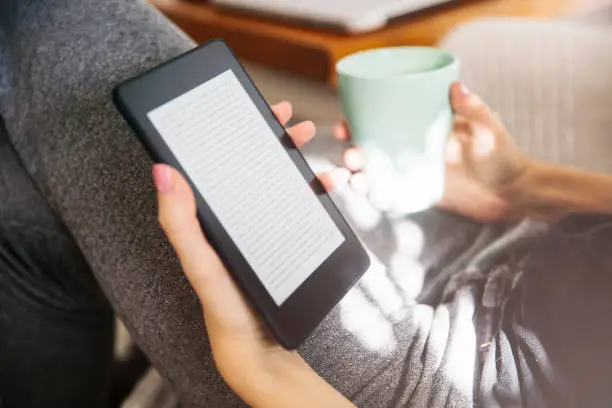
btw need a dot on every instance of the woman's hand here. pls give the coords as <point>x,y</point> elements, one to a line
<point>253,364</point>
<point>481,161</point>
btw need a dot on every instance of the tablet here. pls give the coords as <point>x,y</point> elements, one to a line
<point>260,205</point>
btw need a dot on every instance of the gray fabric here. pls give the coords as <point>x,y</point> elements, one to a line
<point>380,346</point>
<point>413,347</point>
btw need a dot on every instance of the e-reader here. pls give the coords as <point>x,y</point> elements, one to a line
<point>261,207</point>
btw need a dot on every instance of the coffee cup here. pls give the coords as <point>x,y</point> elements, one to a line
<point>397,105</point>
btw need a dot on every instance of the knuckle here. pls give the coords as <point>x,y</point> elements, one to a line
<point>162,221</point>
<point>482,109</point>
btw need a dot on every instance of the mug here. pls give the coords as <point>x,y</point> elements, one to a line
<point>397,105</point>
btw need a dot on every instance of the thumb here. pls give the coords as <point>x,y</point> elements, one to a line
<point>177,217</point>
<point>471,107</point>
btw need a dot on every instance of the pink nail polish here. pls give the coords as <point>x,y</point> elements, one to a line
<point>162,178</point>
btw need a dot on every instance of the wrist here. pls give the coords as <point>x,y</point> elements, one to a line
<point>515,189</point>
<point>275,377</point>
<point>256,375</point>
<point>536,193</point>
<point>238,362</point>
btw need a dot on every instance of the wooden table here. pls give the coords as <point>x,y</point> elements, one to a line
<point>313,53</point>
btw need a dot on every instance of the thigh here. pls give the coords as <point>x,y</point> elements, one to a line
<point>56,328</point>
<point>383,348</point>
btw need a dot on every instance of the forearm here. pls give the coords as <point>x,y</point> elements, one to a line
<point>287,382</point>
<point>548,192</point>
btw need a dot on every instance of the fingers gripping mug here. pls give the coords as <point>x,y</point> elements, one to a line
<point>397,105</point>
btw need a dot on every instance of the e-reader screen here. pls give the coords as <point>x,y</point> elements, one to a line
<point>251,184</point>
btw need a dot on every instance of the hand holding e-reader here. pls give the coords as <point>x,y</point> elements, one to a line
<point>261,207</point>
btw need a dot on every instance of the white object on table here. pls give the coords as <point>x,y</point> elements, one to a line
<point>349,15</point>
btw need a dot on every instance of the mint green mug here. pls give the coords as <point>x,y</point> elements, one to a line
<point>397,105</point>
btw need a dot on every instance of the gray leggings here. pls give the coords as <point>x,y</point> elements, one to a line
<point>492,326</point>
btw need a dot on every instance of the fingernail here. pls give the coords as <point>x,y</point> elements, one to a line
<point>162,178</point>
<point>341,176</point>
<point>311,124</point>
<point>465,91</point>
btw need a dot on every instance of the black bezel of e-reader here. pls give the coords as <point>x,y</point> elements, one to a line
<point>301,313</point>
